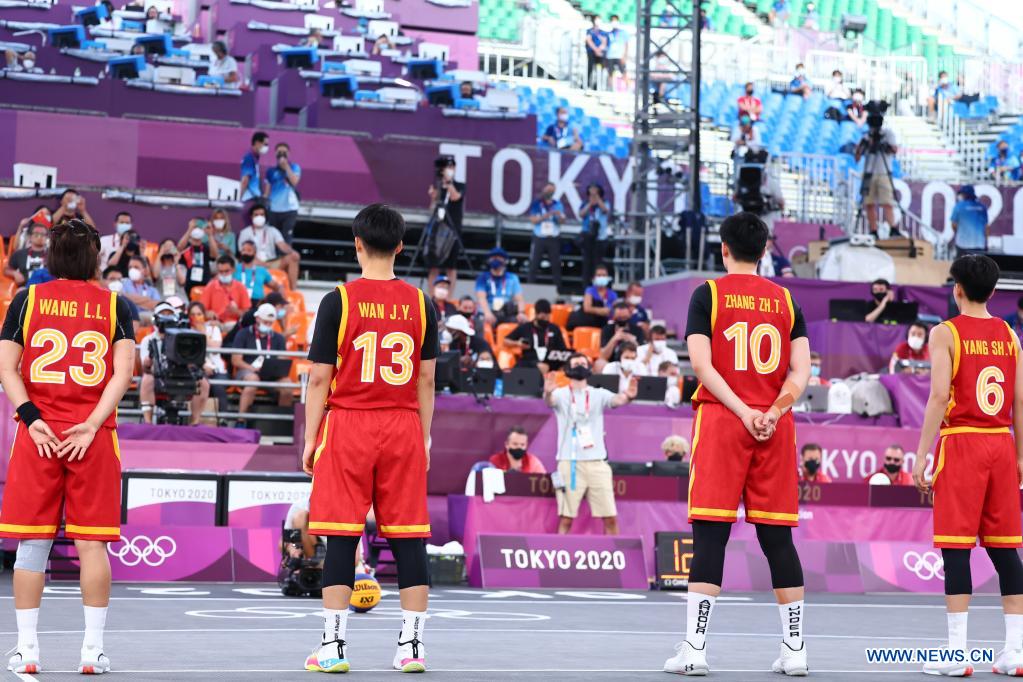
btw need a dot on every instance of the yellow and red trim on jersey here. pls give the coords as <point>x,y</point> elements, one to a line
<point>792,309</point>
<point>71,528</point>
<point>1014,540</point>
<point>423,528</point>
<point>30,304</point>
<point>956,345</point>
<point>713,303</point>
<point>696,512</point>
<point>323,441</point>
<point>422,317</point>
<point>18,528</point>
<point>941,461</point>
<point>964,540</point>
<point>692,453</point>
<point>113,315</point>
<point>342,527</point>
<point>771,516</point>
<point>953,430</point>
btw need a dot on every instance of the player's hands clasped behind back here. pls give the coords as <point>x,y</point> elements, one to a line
<point>45,439</point>
<point>77,441</point>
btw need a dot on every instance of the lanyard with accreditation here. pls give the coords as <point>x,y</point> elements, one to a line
<point>582,437</point>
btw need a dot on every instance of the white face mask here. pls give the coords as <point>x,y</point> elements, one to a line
<point>72,205</point>
<point>449,173</point>
<point>440,293</point>
<point>115,285</point>
<point>225,279</point>
<point>837,79</point>
<point>123,227</point>
<point>628,366</point>
<point>563,118</point>
<point>28,63</point>
<point>134,274</point>
<point>943,81</point>
<point>445,337</point>
<point>265,149</point>
<point>219,223</point>
<point>915,342</point>
<point>800,72</point>
<point>659,345</point>
<point>614,25</point>
<point>635,300</point>
<point>258,221</point>
<point>485,364</point>
<point>857,97</point>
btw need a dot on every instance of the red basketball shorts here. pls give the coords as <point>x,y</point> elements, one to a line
<point>89,489</point>
<point>976,491</point>
<point>729,465</point>
<point>364,458</point>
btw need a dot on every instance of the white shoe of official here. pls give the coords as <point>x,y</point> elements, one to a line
<point>1008,662</point>
<point>25,661</point>
<point>948,668</point>
<point>688,660</point>
<point>94,661</point>
<point>410,657</point>
<point>791,662</point>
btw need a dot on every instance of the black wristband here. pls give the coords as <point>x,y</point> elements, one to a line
<point>28,413</point>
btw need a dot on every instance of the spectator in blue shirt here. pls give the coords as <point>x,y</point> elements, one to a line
<point>560,136</point>
<point>800,84</point>
<point>252,190</point>
<point>499,292</point>
<point>779,13</point>
<point>546,213</point>
<point>617,50</point>
<point>596,51</point>
<point>640,315</point>
<point>254,276</point>
<point>945,89</point>
<point>1017,172</point>
<point>1002,165</point>
<point>969,222</point>
<point>1015,320</point>
<point>282,191</point>
<point>594,233</point>
<point>597,301</point>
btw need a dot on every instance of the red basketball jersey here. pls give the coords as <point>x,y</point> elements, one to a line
<point>983,373</point>
<point>68,358</point>
<point>751,337</point>
<point>379,343</point>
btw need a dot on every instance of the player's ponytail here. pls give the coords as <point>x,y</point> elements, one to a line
<point>74,250</point>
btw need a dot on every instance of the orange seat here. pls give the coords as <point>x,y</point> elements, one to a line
<point>561,379</point>
<point>530,310</point>
<point>142,333</point>
<point>503,330</point>
<point>560,313</point>
<point>507,359</point>
<point>196,293</point>
<point>586,338</point>
<point>281,278</point>
<point>150,252</point>
<point>297,300</point>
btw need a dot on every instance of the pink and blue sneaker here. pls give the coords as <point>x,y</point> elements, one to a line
<point>328,658</point>
<point>410,657</point>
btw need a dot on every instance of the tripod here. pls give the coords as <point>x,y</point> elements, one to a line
<point>427,234</point>
<point>874,152</point>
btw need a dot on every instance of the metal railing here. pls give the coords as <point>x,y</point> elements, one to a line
<point>814,186</point>
<point>893,79</point>
<point>962,136</point>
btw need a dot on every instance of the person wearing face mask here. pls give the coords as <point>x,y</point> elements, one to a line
<point>151,347</point>
<point>514,456</point>
<point>226,297</point>
<point>617,331</point>
<point>882,294</point>
<point>252,189</point>
<point>597,301</point>
<point>800,84</point>
<point>811,18</point>
<point>108,243</point>
<point>224,65</point>
<point>596,49</point>
<point>137,288</point>
<point>214,367</point>
<point>617,51</point>
<point>559,135</point>
<point>220,231</point>
<point>746,137</point>
<point>442,298</point>
<point>536,339</point>
<point>583,470</point>
<point>652,354</point>
<point>447,203</point>
<point>24,262</point>
<point>750,104</point>
<point>72,205</point>
<point>271,248</point>
<point>465,341</point>
<point>41,216</point>
<point>855,111</point>
<point>945,89</point>
<point>675,449</point>
<point>198,254</point>
<point>546,214</point>
<point>673,389</point>
<point>467,308</point>
<point>837,89</point>
<point>1002,164</point>
<point>969,222</point>
<point>280,191</point>
<point>112,281</point>
<point>810,469</point>
<point>627,367</point>
<point>894,455</point>
<point>25,61</point>
<point>248,318</point>
<point>816,377</point>
<point>253,367</point>
<point>914,348</point>
<point>499,292</point>
<point>256,278</point>
<point>594,232</point>
<point>170,274</point>
<point>640,315</point>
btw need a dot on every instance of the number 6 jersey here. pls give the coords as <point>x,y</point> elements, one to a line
<point>67,329</point>
<point>983,373</point>
<point>751,322</point>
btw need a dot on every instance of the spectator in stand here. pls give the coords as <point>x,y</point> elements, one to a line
<point>224,65</point>
<point>640,315</point>
<point>254,367</point>
<point>499,292</point>
<point>914,348</point>
<point>800,84</point>
<point>214,367</point>
<point>252,188</point>
<point>810,470</point>
<point>856,111</point>
<point>750,104</point>
<point>131,246</point>
<point>441,298</point>
<point>41,216</point>
<point>226,297</point>
<point>774,263</point>
<point>779,13</point>
<point>705,21</point>
<point>969,222</point>
<point>248,318</point>
<point>139,289</point>
<point>515,457</point>
<point>656,352</point>
<point>24,262</point>
<point>596,51</point>
<point>616,332</point>
<point>837,89</point>
<point>675,449</point>
<point>314,38</point>
<point>627,367</point>
<point>447,195</point>
<point>892,467</point>
<point>812,19</point>
<point>816,378</point>
<point>256,278</point>
<point>468,309</point>
<point>673,390</point>
<point>108,243</point>
<point>546,214</point>
<point>281,192</point>
<point>147,72</point>
<point>882,293</point>
<point>383,42</point>
<point>560,135</point>
<point>23,61</point>
<point>170,275</point>
<point>466,91</point>
<point>197,256</point>
<point>597,301</point>
<point>746,137</point>
<point>466,341</point>
<point>594,231</point>
<point>1002,165</point>
<point>535,339</point>
<point>271,248</point>
<point>1017,172</point>
<point>617,51</point>
<point>222,233</point>
<point>72,205</point>
<point>1015,320</point>
<point>945,89</point>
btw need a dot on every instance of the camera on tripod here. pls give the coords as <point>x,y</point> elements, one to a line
<point>876,110</point>
<point>749,183</point>
<point>300,576</point>
<point>177,365</point>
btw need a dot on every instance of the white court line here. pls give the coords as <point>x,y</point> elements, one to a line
<point>26,677</point>
<point>391,671</point>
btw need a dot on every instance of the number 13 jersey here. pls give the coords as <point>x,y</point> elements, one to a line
<point>983,373</point>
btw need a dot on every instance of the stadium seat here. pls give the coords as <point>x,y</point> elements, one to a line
<point>296,300</point>
<point>586,339</point>
<point>560,313</point>
<point>281,278</point>
<point>196,293</point>
<point>150,251</point>
<point>503,330</point>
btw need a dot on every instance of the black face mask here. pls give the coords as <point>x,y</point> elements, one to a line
<point>517,453</point>
<point>879,295</point>
<point>812,465</point>
<point>621,323</point>
<point>541,324</point>
<point>749,91</point>
<point>892,468</point>
<point>247,257</point>
<point>675,457</point>
<point>578,372</point>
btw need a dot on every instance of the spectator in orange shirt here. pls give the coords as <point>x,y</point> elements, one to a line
<point>225,296</point>
<point>810,470</point>
<point>515,457</point>
<point>914,348</point>
<point>892,468</point>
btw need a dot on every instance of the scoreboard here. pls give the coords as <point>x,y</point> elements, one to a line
<point>673,557</point>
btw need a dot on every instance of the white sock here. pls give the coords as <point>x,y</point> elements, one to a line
<point>95,621</point>
<point>412,624</point>
<point>792,624</point>
<point>335,624</point>
<point>698,608</point>
<point>28,622</point>
<point>957,630</point>
<point>1014,631</point>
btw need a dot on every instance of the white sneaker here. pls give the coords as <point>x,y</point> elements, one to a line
<point>25,660</point>
<point>94,661</point>
<point>329,657</point>
<point>410,657</point>
<point>688,660</point>
<point>1009,662</point>
<point>791,662</point>
<point>948,668</point>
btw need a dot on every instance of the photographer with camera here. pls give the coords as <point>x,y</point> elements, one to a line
<point>879,146</point>
<point>446,208</point>
<point>130,246</point>
<point>24,262</point>
<point>160,372</point>
<point>281,190</point>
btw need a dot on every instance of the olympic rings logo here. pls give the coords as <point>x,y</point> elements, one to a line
<point>141,549</point>
<point>926,566</point>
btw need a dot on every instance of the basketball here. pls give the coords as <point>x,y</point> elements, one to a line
<point>365,594</point>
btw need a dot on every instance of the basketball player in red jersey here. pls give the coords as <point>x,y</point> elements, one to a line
<point>374,351</point>
<point>67,351</point>
<point>976,395</point>
<point>747,342</point>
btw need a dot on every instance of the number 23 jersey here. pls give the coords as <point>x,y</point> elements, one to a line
<point>751,323</point>
<point>983,373</point>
